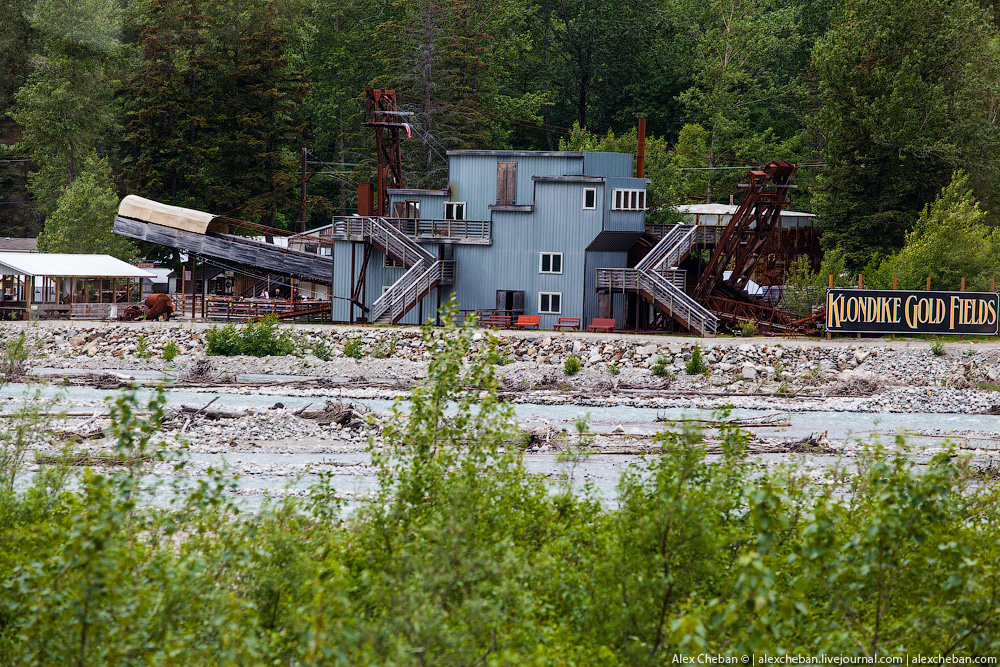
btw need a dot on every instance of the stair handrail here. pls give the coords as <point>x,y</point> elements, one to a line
<point>674,243</point>
<point>698,316</point>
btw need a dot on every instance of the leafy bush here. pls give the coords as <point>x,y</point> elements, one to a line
<point>17,352</point>
<point>386,347</point>
<point>572,365</point>
<point>937,348</point>
<point>696,364</point>
<point>142,348</point>
<point>496,357</point>
<point>661,367</point>
<point>170,351</point>
<point>459,552</point>
<point>322,351</point>
<point>614,369</point>
<point>749,328</point>
<point>354,348</point>
<point>255,339</point>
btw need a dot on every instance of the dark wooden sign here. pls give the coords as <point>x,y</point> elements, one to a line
<point>900,311</point>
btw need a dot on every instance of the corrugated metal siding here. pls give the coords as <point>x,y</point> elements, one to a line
<point>623,221</point>
<point>608,164</point>
<point>473,178</point>
<point>342,282</point>
<point>431,206</point>
<point>602,260</point>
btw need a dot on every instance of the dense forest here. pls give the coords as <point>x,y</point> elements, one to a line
<point>210,103</point>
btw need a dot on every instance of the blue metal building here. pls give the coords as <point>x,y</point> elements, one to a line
<point>518,231</point>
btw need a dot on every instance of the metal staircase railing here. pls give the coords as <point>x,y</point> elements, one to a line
<point>670,250</point>
<point>678,303</point>
<point>666,296</point>
<point>384,236</point>
<point>406,292</point>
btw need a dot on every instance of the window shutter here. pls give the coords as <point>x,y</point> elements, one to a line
<point>519,301</point>
<point>506,183</point>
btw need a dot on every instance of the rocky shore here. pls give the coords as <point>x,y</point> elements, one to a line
<point>532,360</point>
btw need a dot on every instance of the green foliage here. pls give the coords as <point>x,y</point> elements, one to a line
<point>386,347</point>
<point>951,240</point>
<point>805,289</point>
<point>354,348</point>
<point>142,348</point>
<point>572,365</point>
<point>614,369</point>
<point>17,352</point>
<point>661,367</point>
<point>906,96</point>
<point>749,328</point>
<point>497,357</point>
<point>256,339</point>
<point>459,552</point>
<point>84,215</point>
<point>937,348</point>
<point>170,351</point>
<point>322,351</point>
<point>696,364</point>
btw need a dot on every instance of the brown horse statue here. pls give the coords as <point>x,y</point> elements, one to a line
<point>158,305</point>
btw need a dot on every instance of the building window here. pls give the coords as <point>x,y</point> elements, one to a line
<point>630,200</point>
<point>390,263</point>
<point>550,262</point>
<point>506,183</point>
<point>590,198</point>
<point>386,288</point>
<point>550,302</point>
<point>406,209</point>
<point>454,210</point>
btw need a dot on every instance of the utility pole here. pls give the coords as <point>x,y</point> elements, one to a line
<point>302,205</point>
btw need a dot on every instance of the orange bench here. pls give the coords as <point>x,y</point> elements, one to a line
<point>605,324</point>
<point>568,323</point>
<point>528,321</point>
<point>498,321</point>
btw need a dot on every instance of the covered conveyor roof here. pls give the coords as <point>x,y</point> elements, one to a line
<point>60,264</point>
<point>147,210</point>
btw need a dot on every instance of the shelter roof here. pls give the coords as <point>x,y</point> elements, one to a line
<point>730,209</point>
<point>17,244</point>
<point>61,264</point>
<point>147,210</point>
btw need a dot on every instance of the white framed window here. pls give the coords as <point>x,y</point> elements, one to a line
<point>390,263</point>
<point>550,302</point>
<point>550,262</point>
<point>454,210</point>
<point>386,288</point>
<point>589,198</point>
<point>630,200</point>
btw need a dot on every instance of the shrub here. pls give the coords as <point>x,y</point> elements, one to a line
<point>385,348</point>
<point>255,339</point>
<point>354,348</point>
<point>749,328</point>
<point>937,348</point>
<point>661,367</point>
<point>16,353</point>
<point>322,351</point>
<point>496,357</point>
<point>614,369</point>
<point>696,364</point>
<point>142,349</point>
<point>170,351</point>
<point>571,365</point>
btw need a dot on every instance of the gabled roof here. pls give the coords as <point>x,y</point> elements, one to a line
<point>62,264</point>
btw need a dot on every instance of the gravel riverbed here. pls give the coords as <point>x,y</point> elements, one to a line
<point>623,381</point>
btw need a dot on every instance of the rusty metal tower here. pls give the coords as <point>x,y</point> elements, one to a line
<point>384,116</point>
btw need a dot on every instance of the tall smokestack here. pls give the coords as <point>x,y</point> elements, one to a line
<point>641,167</point>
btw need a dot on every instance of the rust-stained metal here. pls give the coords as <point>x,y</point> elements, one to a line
<point>383,116</point>
<point>748,230</point>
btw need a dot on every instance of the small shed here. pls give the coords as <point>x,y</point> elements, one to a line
<point>58,284</point>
